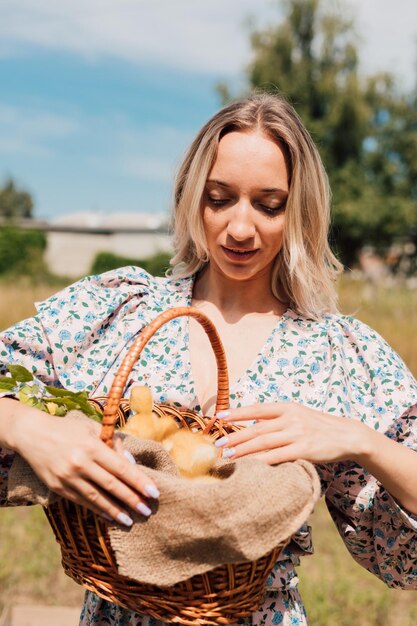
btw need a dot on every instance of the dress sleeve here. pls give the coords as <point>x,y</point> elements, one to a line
<point>77,335</point>
<point>379,533</point>
<point>25,344</point>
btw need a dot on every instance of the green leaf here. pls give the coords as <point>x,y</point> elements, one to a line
<point>20,373</point>
<point>6,384</point>
<point>25,395</point>
<point>68,403</point>
<point>57,392</point>
<point>97,417</point>
<point>7,379</point>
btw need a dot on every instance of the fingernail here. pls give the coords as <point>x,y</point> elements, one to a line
<point>142,508</point>
<point>222,414</point>
<point>151,491</point>
<point>129,457</point>
<point>228,452</point>
<point>124,519</point>
<point>221,442</point>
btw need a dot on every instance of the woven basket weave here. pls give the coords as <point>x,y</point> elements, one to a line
<point>220,596</point>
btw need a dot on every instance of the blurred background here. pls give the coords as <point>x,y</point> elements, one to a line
<point>99,99</point>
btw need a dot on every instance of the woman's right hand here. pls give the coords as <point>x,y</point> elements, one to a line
<point>70,458</point>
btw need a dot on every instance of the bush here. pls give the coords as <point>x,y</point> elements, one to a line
<point>21,251</point>
<point>156,265</point>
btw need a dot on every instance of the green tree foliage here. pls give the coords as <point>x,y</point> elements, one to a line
<point>156,265</point>
<point>365,130</point>
<point>21,252</point>
<point>14,203</point>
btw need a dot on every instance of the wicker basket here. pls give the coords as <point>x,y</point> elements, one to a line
<point>220,596</point>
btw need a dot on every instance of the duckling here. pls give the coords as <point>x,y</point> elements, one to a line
<point>193,453</point>
<point>145,424</point>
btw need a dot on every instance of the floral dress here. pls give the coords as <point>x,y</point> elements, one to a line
<point>336,364</point>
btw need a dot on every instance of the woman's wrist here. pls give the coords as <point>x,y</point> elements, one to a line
<point>363,443</point>
<point>15,420</point>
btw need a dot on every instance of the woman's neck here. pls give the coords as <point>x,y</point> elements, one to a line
<point>236,297</point>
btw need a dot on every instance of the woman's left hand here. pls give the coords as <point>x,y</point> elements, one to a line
<point>287,431</point>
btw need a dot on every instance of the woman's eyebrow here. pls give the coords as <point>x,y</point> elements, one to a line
<point>266,190</point>
<point>217,182</point>
<point>274,190</point>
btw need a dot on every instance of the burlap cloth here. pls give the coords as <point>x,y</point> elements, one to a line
<point>197,526</point>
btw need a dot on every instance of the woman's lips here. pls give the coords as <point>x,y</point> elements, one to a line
<point>239,255</point>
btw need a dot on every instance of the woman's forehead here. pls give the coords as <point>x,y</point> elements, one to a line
<point>252,157</point>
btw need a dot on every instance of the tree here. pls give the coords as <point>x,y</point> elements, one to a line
<point>14,203</point>
<point>366,132</point>
<point>21,252</point>
<point>156,265</point>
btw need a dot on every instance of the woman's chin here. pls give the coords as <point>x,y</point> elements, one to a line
<point>242,273</point>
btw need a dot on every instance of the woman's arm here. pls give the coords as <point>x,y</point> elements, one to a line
<point>70,458</point>
<point>290,431</point>
<point>380,534</point>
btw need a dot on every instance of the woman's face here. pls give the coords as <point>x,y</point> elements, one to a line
<point>244,206</point>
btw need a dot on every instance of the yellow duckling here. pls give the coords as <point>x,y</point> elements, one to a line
<point>145,424</point>
<point>193,453</point>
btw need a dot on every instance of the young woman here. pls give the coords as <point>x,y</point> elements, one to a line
<point>251,220</point>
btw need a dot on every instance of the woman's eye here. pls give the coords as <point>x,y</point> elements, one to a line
<point>272,210</point>
<point>218,201</point>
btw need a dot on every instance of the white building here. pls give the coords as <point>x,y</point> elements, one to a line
<point>75,240</point>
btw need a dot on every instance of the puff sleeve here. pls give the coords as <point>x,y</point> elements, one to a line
<point>24,344</point>
<point>76,336</point>
<point>378,532</point>
<point>380,391</point>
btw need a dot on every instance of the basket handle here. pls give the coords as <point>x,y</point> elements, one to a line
<point>119,383</point>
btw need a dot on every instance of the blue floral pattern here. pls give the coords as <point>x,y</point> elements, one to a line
<point>336,364</point>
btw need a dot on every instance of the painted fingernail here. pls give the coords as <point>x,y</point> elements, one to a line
<point>142,508</point>
<point>228,452</point>
<point>221,442</point>
<point>129,457</point>
<point>124,519</point>
<point>222,414</point>
<point>151,491</point>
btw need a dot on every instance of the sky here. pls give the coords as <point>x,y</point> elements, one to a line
<point>99,99</point>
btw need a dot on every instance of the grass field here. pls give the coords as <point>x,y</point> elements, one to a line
<point>337,592</point>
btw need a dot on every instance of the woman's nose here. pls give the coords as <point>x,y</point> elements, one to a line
<point>241,225</point>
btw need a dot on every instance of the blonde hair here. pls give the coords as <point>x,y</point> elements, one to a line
<point>305,268</point>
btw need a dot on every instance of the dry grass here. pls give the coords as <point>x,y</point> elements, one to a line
<point>337,592</point>
<point>30,561</point>
<point>16,300</point>
<point>391,311</point>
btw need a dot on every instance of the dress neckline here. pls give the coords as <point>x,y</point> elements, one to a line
<point>253,367</point>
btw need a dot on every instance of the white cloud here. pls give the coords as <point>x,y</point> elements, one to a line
<point>388,32</point>
<point>148,153</point>
<point>24,130</point>
<point>107,143</point>
<point>34,124</point>
<point>190,34</point>
<point>147,168</point>
<point>13,145</point>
